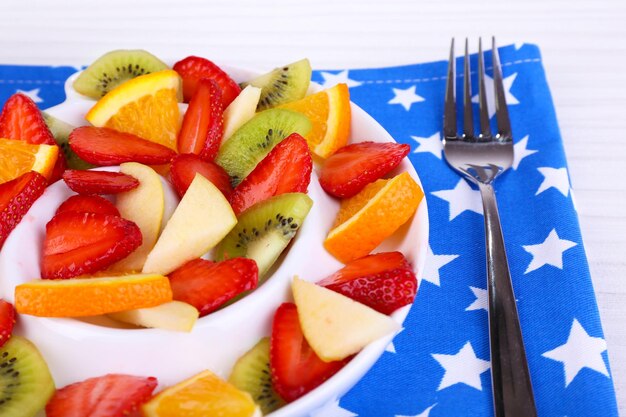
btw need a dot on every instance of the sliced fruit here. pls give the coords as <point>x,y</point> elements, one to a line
<point>192,230</point>
<point>99,182</point>
<point>81,297</point>
<point>184,168</point>
<point>371,216</point>
<point>384,281</point>
<point>146,106</point>
<point>265,229</point>
<point>25,379</point>
<point>192,69</point>
<point>16,197</point>
<point>209,285</point>
<point>61,132</point>
<point>282,85</point>
<point>286,169</point>
<point>174,315</point>
<point>7,321</point>
<point>330,114</point>
<point>115,68</point>
<point>354,166</point>
<point>103,146</point>
<point>255,139</point>
<point>334,325</point>
<point>295,367</point>
<point>83,243</point>
<point>251,373</point>
<point>88,204</point>
<point>19,157</point>
<point>240,110</point>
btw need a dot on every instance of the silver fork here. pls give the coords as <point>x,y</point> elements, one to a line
<point>481,158</point>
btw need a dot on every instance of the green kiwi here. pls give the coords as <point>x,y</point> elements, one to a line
<point>264,230</point>
<point>114,68</point>
<point>251,374</point>
<point>61,132</point>
<point>256,138</point>
<point>25,381</point>
<point>282,85</point>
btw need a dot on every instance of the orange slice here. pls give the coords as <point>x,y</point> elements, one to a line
<point>80,297</point>
<point>372,215</point>
<point>200,396</point>
<point>19,157</point>
<point>146,106</point>
<point>329,112</point>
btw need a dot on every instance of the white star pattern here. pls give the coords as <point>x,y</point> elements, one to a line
<point>461,198</point>
<point>480,303</point>
<point>33,94</point>
<point>332,409</point>
<point>521,151</point>
<point>580,351</point>
<point>509,97</point>
<point>433,264</point>
<point>406,97</point>
<point>331,79</point>
<point>391,348</point>
<point>424,413</point>
<point>431,144</point>
<point>554,178</point>
<point>462,368</point>
<point>549,252</point>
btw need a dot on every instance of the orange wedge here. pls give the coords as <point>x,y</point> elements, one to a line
<point>146,106</point>
<point>372,215</point>
<point>19,157</point>
<point>80,297</point>
<point>329,112</point>
<point>200,396</point>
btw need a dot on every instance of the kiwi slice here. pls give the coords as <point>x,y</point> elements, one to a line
<point>251,374</point>
<point>25,381</point>
<point>61,132</point>
<point>282,85</point>
<point>256,138</point>
<point>114,68</point>
<point>265,229</point>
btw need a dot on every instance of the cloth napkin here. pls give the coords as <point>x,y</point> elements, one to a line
<point>438,366</point>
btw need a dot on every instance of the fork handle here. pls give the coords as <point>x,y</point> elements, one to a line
<point>512,389</point>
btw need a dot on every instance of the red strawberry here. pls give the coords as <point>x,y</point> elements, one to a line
<point>112,395</point>
<point>16,197</point>
<point>184,168</point>
<point>383,281</point>
<point>192,69</point>
<point>104,146</point>
<point>208,285</point>
<point>286,169</point>
<point>352,167</point>
<point>294,366</point>
<point>84,243</point>
<point>99,182</point>
<point>7,321</point>
<point>88,204</point>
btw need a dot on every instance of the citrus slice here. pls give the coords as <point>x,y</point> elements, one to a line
<point>372,215</point>
<point>146,106</point>
<point>80,297</point>
<point>19,157</point>
<point>204,394</point>
<point>329,112</point>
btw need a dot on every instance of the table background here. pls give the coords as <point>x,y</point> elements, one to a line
<point>583,45</point>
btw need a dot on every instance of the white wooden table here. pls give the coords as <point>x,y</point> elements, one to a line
<point>583,44</point>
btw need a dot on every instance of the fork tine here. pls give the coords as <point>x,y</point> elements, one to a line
<point>485,130</point>
<point>468,116</point>
<point>502,113</point>
<point>449,115</point>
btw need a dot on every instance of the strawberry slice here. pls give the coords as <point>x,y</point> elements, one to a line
<point>184,168</point>
<point>384,281</point>
<point>83,243</point>
<point>7,321</point>
<point>208,285</point>
<point>294,366</point>
<point>104,146</point>
<point>286,169</point>
<point>88,204</point>
<point>99,182</point>
<point>16,197</point>
<point>112,395</point>
<point>192,69</point>
<point>352,167</point>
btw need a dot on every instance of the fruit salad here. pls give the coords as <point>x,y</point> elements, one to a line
<point>240,158</point>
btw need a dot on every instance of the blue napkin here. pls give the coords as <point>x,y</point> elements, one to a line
<point>438,366</point>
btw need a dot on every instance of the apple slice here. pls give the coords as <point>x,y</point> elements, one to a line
<point>334,325</point>
<point>175,315</point>
<point>240,110</point>
<point>202,219</point>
